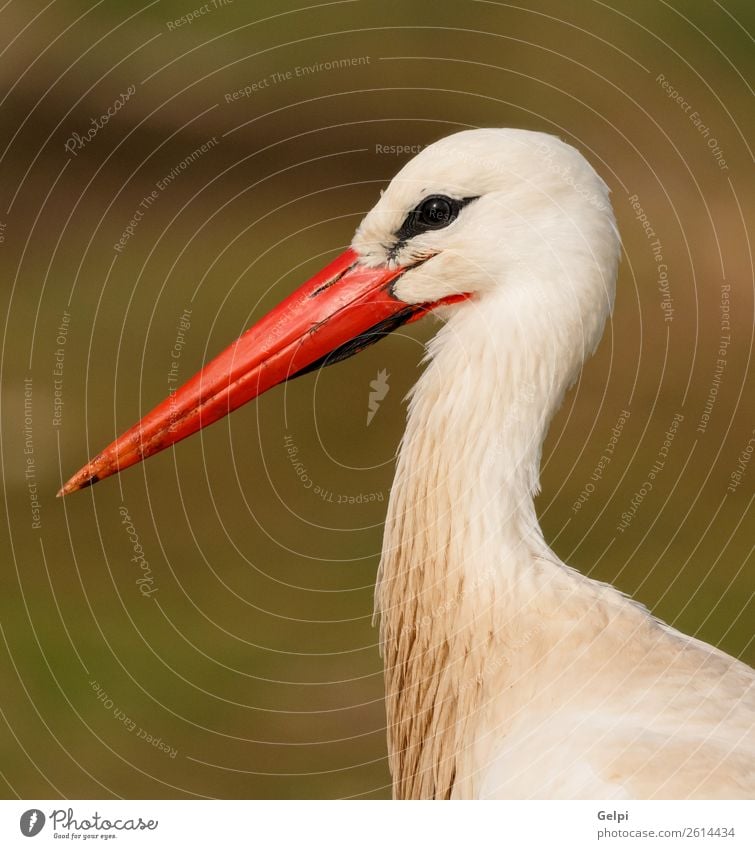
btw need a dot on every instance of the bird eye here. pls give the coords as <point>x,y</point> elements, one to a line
<point>433,213</point>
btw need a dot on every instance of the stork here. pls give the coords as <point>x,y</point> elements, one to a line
<point>508,674</point>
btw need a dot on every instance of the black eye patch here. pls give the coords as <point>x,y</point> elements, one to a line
<point>432,213</point>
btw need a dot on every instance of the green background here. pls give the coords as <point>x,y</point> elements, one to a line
<point>255,660</point>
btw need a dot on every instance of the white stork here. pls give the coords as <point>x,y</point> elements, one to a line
<point>508,674</point>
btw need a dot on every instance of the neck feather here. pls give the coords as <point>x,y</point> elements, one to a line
<point>462,536</point>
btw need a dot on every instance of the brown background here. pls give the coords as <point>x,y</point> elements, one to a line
<point>255,659</point>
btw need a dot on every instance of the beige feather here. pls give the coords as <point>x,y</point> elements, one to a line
<point>508,674</point>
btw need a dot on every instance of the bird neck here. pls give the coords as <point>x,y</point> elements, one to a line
<point>462,537</point>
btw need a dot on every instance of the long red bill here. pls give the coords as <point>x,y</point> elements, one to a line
<point>335,314</point>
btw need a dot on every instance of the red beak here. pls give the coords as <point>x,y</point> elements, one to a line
<point>337,313</point>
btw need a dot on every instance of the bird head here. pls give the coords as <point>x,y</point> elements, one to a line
<point>507,216</point>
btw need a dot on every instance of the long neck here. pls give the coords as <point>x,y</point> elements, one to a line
<point>461,532</point>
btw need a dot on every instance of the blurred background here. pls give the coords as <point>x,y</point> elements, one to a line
<point>168,172</point>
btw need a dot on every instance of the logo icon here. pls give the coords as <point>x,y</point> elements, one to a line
<point>379,388</point>
<point>32,822</point>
